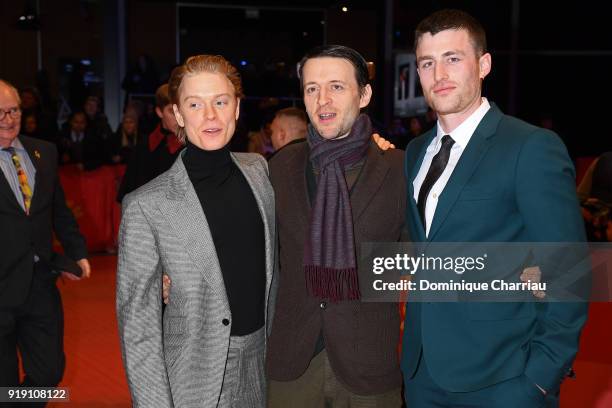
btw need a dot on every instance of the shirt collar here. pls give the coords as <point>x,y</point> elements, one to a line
<point>16,144</point>
<point>463,133</point>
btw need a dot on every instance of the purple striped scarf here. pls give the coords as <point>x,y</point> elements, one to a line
<point>329,251</point>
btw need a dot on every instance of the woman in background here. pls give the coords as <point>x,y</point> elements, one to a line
<point>125,138</point>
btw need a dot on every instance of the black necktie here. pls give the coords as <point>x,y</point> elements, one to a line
<point>436,168</point>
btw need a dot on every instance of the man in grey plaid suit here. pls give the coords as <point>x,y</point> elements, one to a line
<point>209,224</point>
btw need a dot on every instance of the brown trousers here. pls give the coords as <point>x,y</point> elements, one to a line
<point>318,387</point>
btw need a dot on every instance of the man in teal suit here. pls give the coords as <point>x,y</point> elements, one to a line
<point>482,176</point>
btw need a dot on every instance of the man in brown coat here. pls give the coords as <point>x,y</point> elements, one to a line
<point>333,192</point>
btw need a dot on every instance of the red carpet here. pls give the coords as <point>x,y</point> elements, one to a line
<point>94,371</point>
<point>95,376</point>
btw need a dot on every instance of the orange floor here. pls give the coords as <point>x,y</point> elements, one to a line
<point>94,372</point>
<point>96,379</point>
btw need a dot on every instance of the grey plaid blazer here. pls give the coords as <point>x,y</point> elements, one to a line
<point>179,362</point>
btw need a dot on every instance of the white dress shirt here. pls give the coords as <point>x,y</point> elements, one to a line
<point>461,135</point>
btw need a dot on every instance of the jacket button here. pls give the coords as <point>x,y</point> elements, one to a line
<point>323,305</point>
<point>225,322</point>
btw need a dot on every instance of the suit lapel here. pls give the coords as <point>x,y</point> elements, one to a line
<point>369,182</point>
<point>262,190</point>
<point>184,213</point>
<point>422,149</point>
<point>412,171</point>
<point>299,187</point>
<point>5,189</point>
<point>471,157</point>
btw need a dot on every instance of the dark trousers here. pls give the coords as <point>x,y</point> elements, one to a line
<point>36,328</point>
<point>422,392</point>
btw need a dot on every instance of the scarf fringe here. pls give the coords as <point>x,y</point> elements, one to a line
<point>331,283</point>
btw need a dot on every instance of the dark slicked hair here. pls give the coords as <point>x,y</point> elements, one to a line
<point>338,51</point>
<point>450,19</point>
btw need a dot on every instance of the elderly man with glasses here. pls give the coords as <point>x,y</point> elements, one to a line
<point>32,208</point>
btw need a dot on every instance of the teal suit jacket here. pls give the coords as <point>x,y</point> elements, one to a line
<point>513,183</point>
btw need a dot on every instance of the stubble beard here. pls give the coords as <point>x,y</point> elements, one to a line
<point>335,133</point>
<point>446,106</point>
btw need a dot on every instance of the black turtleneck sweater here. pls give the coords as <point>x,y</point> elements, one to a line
<point>237,230</point>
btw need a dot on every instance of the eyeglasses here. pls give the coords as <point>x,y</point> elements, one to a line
<point>14,113</point>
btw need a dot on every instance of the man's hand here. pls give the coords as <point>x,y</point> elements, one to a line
<point>85,267</point>
<point>533,274</point>
<point>383,143</point>
<point>166,288</point>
